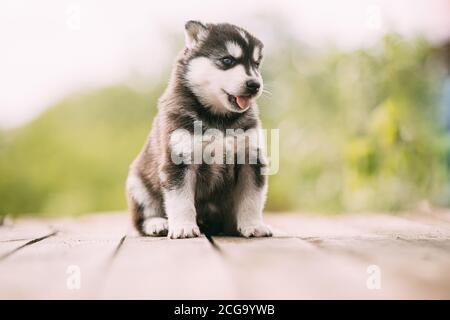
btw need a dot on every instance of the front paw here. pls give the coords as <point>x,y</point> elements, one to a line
<point>255,230</point>
<point>155,226</point>
<point>183,231</point>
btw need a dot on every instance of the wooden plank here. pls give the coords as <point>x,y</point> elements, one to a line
<point>16,235</point>
<point>41,271</point>
<point>335,263</point>
<point>23,245</point>
<point>394,226</point>
<point>158,268</point>
<point>408,269</point>
<point>282,268</point>
<point>310,257</point>
<point>440,219</point>
<point>413,257</point>
<point>308,225</point>
<point>24,230</point>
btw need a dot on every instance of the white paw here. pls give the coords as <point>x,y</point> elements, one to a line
<point>183,231</point>
<point>155,226</point>
<point>255,230</point>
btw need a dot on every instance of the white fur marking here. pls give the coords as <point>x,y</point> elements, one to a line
<point>249,209</point>
<point>162,176</point>
<point>139,193</point>
<point>234,49</point>
<point>180,209</point>
<point>256,53</point>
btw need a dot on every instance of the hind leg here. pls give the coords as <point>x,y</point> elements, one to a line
<point>147,210</point>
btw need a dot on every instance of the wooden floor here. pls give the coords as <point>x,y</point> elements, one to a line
<point>309,257</point>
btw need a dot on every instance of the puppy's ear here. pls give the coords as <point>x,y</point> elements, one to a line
<point>195,32</point>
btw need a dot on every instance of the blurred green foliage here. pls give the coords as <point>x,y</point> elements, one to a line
<point>357,132</point>
<point>359,129</point>
<point>75,157</point>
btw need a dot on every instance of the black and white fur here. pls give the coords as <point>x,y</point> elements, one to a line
<point>182,200</point>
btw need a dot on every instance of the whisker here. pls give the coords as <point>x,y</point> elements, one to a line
<point>266,94</point>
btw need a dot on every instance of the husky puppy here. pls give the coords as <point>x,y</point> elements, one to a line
<point>215,81</point>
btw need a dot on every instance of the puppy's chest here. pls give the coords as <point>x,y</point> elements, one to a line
<point>213,178</point>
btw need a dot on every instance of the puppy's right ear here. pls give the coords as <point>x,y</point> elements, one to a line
<point>195,32</point>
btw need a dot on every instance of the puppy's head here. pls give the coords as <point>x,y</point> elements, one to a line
<point>223,63</point>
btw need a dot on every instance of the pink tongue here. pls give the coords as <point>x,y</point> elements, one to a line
<point>243,102</point>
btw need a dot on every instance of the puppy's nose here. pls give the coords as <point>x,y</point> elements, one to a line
<point>253,86</point>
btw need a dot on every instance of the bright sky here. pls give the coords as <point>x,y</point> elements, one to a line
<point>50,48</point>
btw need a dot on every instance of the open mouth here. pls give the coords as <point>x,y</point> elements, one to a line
<point>239,102</point>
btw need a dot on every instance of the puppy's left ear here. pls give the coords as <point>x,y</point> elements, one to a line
<point>195,32</point>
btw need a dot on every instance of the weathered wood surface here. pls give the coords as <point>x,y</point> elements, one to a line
<point>310,256</point>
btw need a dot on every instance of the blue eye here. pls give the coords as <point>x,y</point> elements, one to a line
<point>228,61</point>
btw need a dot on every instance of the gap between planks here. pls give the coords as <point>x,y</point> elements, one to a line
<point>29,243</point>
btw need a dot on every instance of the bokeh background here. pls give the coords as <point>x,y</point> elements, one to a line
<point>360,91</point>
